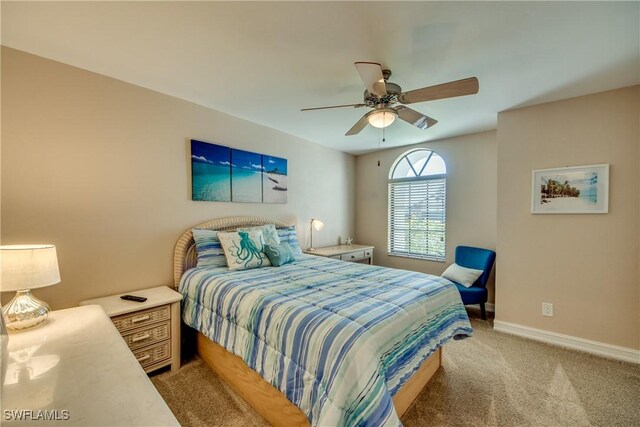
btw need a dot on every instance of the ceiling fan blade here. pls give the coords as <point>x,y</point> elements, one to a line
<point>445,90</point>
<point>358,126</point>
<point>333,106</point>
<point>415,118</point>
<point>371,75</point>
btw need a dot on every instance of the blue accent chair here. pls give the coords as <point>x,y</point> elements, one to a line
<point>479,259</point>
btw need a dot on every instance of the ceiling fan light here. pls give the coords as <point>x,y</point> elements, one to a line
<point>382,118</point>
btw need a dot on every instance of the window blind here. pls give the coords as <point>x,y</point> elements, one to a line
<point>417,218</point>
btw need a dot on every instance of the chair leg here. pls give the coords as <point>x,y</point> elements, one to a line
<point>483,312</point>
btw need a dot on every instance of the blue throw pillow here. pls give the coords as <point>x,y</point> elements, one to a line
<point>288,235</point>
<point>208,248</point>
<point>279,254</point>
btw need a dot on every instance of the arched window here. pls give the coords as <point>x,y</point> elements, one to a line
<point>417,205</point>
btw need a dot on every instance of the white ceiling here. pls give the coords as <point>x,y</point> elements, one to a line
<point>264,61</point>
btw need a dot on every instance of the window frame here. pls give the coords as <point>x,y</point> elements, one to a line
<point>392,201</point>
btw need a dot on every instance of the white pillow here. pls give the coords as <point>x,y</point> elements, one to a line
<point>244,249</point>
<point>465,276</point>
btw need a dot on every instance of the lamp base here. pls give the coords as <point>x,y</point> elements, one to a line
<point>24,311</point>
<point>311,249</point>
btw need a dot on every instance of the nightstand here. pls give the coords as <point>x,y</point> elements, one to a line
<point>352,253</point>
<point>151,329</point>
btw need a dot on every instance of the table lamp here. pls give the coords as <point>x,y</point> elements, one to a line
<point>26,267</point>
<point>317,225</point>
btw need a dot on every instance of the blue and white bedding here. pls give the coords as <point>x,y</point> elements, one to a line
<point>339,339</point>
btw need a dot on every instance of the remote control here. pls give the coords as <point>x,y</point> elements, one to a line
<point>133,298</point>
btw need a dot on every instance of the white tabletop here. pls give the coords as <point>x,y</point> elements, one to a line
<point>76,361</point>
<point>115,306</point>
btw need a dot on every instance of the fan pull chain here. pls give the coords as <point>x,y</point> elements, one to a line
<point>383,140</point>
<point>379,150</point>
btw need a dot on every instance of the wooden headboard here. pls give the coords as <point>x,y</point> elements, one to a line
<point>184,255</point>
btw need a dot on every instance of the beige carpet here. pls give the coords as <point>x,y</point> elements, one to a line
<point>492,379</point>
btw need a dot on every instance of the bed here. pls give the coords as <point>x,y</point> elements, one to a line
<point>318,341</point>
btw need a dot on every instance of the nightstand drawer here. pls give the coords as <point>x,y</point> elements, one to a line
<point>352,256</point>
<point>142,318</point>
<point>146,336</point>
<point>368,253</point>
<point>335,257</point>
<point>154,354</point>
<point>151,328</point>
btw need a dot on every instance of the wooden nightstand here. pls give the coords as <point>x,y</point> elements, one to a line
<point>151,329</point>
<point>352,253</point>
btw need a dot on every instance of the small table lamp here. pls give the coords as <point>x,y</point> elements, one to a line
<point>26,267</point>
<point>317,225</point>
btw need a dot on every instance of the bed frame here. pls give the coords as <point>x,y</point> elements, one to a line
<point>267,400</point>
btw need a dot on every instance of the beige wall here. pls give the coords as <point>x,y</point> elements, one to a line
<point>100,168</point>
<point>471,199</point>
<point>586,265</point>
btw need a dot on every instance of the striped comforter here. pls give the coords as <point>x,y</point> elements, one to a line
<point>339,339</point>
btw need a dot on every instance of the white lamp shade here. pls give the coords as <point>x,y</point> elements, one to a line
<point>381,118</point>
<point>317,224</point>
<point>28,267</point>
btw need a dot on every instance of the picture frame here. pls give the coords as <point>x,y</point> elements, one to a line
<point>210,172</point>
<point>225,174</point>
<point>570,190</point>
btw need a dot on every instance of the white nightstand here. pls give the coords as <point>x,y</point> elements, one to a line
<point>352,253</point>
<point>151,329</point>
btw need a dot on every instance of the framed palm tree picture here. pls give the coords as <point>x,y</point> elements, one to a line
<point>571,190</point>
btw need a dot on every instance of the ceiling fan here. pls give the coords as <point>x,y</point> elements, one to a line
<point>387,100</point>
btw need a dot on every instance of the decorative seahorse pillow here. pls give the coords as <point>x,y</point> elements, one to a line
<point>244,249</point>
<point>268,232</point>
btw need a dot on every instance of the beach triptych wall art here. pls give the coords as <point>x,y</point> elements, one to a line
<point>223,174</point>
<point>571,190</point>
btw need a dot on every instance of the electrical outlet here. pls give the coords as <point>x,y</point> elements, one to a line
<point>547,309</point>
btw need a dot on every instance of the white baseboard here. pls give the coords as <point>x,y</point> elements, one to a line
<point>593,347</point>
